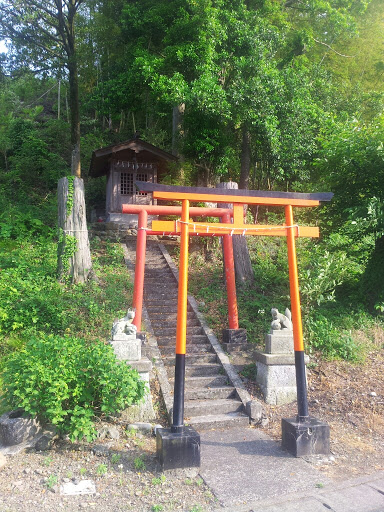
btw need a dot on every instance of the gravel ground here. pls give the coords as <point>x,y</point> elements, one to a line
<point>124,472</point>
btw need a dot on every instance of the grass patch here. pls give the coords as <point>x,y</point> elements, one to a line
<point>333,325</point>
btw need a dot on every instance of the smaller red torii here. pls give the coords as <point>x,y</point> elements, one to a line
<point>143,210</point>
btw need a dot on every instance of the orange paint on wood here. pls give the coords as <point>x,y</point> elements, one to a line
<point>229,266</point>
<point>294,284</point>
<point>182,301</point>
<point>138,287</point>
<point>165,226</point>
<point>153,209</point>
<point>271,201</point>
<point>238,214</point>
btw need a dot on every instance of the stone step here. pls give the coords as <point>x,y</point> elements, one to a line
<point>213,421</point>
<point>156,293</point>
<point>159,295</point>
<point>208,381</point>
<point>160,301</point>
<point>170,319</point>
<point>213,393</point>
<point>157,308</point>
<point>170,341</point>
<point>155,277</point>
<point>160,284</point>
<point>170,332</point>
<point>218,406</point>
<point>202,348</point>
<point>198,370</point>
<point>192,359</point>
<point>210,399</point>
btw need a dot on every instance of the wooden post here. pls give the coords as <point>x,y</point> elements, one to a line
<point>229,269</point>
<point>74,255</point>
<point>243,267</point>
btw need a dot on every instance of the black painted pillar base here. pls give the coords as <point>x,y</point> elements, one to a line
<point>305,436</point>
<point>178,449</point>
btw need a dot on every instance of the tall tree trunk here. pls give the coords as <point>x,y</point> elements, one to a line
<point>74,256</point>
<point>70,47</point>
<point>58,99</point>
<point>243,267</point>
<point>177,127</point>
<point>75,116</point>
<point>245,158</point>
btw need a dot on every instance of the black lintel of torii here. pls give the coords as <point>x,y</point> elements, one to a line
<point>145,186</point>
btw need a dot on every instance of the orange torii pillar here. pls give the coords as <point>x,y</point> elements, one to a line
<point>302,435</point>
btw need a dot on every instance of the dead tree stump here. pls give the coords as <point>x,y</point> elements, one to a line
<point>74,255</point>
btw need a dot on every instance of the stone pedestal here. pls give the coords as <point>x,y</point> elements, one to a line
<point>234,339</point>
<point>127,347</point>
<point>178,450</point>
<point>276,374</point>
<point>143,411</point>
<point>307,437</point>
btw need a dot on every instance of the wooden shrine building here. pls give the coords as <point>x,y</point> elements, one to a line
<point>124,164</point>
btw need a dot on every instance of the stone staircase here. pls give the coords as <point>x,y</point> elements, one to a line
<point>214,393</point>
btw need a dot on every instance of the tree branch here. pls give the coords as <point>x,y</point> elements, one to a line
<point>40,6</point>
<point>332,49</point>
<point>19,36</point>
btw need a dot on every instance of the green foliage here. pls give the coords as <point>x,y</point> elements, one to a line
<point>331,340</point>
<point>249,371</point>
<point>66,247</point>
<point>139,464</point>
<point>18,225</point>
<point>115,458</point>
<point>158,480</point>
<point>101,469</point>
<point>68,382</point>
<point>69,203</point>
<point>32,301</point>
<point>51,481</point>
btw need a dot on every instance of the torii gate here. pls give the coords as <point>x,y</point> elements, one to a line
<point>184,227</point>
<point>179,446</point>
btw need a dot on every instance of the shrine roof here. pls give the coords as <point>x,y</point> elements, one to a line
<point>123,150</point>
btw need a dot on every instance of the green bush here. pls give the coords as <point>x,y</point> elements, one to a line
<point>68,382</point>
<point>333,341</point>
<point>32,301</point>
